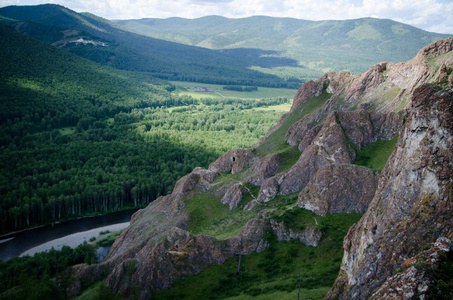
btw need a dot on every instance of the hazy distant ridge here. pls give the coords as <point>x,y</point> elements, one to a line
<point>318,46</point>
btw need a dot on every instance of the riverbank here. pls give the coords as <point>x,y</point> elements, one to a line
<point>12,234</point>
<point>61,234</point>
<point>75,239</point>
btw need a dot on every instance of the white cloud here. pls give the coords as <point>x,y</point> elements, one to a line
<point>431,15</point>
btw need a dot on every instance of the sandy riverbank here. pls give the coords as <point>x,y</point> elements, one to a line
<point>75,239</point>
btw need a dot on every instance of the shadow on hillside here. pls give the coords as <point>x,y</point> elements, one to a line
<point>261,58</point>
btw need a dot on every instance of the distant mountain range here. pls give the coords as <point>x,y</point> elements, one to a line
<point>317,46</point>
<point>263,51</point>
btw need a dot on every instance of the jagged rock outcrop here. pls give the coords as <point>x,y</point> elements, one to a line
<point>308,138</point>
<point>174,252</point>
<point>389,87</point>
<point>328,147</point>
<point>199,179</point>
<point>363,128</point>
<point>338,189</point>
<point>233,196</point>
<point>413,202</point>
<point>233,161</point>
<point>263,169</point>
<point>331,83</point>
<point>300,129</point>
<point>163,259</point>
<point>310,236</point>
<point>331,145</point>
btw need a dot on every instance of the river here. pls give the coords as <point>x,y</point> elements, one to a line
<point>71,233</point>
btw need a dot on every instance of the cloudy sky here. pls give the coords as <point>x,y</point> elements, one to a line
<point>431,15</point>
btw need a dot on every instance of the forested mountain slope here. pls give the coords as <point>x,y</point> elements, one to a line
<point>317,46</point>
<point>266,220</point>
<point>65,147</point>
<point>110,44</point>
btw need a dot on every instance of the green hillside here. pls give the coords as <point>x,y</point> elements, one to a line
<point>109,44</point>
<point>317,47</point>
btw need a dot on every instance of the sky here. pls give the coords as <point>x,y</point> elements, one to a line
<point>430,15</point>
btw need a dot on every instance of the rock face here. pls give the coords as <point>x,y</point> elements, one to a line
<point>233,196</point>
<point>416,280</point>
<point>264,169</point>
<point>310,237</point>
<point>331,145</point>
<point>412,205</point>
<point>233,161</point>
<point>387,87</point>
<point>174,253</point>
<point>338,189</point>
<point>363,128</point>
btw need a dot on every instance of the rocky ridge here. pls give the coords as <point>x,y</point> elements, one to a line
<point>357,110</point>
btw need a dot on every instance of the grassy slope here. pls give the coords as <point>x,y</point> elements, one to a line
<point>275,272</point>
<point>375,155</point>
<point>275,142</point>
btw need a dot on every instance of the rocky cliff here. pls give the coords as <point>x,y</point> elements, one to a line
<point>307,160</point>
<point>413,204</point>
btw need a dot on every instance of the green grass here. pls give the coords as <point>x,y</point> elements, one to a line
<point>290,155</point>
<point>275,272</point>
<point>185,88</point>
<point>313,294</point>
<point>375,155</point>
<point>282,107</point>
<point>97,291</point>
<point>209,216</point>
<point>108,240</point>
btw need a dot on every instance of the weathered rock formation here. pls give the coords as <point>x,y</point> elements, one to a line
<point>233,196</point>
<point>416,278</point>
<point>387,87</point>
<point>339,189</point>
<point>331,145</point>
<point>233,161</point>
<point>263,169</point>
<point>310,236</point>
<point>413,202</point>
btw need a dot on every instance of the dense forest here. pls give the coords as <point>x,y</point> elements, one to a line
<point>78,138</point>
<point>46,275</point>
